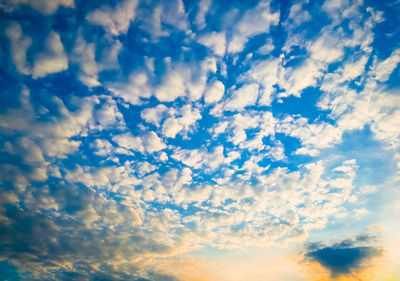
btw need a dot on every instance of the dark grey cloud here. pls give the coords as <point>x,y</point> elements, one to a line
<point>343,257</point>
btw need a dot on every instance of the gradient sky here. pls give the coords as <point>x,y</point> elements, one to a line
<point>207,140</point>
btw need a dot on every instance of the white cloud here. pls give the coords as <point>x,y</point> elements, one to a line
<point>203,8</point>
<point>367,189</point>
<point>171,128</point>
<point>115,20</point>
<point>214,40</point>
<point>386,128</point>
<point>324,49</point>
<point>176,120</point>
<point>20,44</point>
<point>235,203</point>
<point>298,15</point>
<point>189,116</point>
<point>129,142</point>
<point>307,151</point>
<point>300,78</point>
<point>159,19</point>
<point>235,127</point>
<point>198,158</point>
<point>154,115</point>
<point>136,88</point>
<point>163,156</point>
<point>328,48</point>
<point>107,115</point>
<point>53,59</point>
<point>184,79</point>
<point>266,73</point>
<point>372,106</point>
<point>152,142</point>
<point>382,70</point>
<point>244,96</point>
<point>313,136</point>
<point>215,92</point>
<point>322,52</point>
<point>43,6</point>
<point>172,87</point>
<point>25,146</point>
<point>103,147</point>
<point>53,135</point>
<point>84,56</point>
<point>267,48</point>
<point>352,70</point>
<point>341,9</point>
<point>174,180</point>
<point>44,139</point>
<point>255,21</point>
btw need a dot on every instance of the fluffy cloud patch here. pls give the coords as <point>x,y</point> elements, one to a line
<point>244,96</point>
<point>53,59</point>
<point>84,55</point>
<point>215,92</point>
<point>215,41</point>
<point>115,20</point>
<point>19,46</point>
<point>255,21</point>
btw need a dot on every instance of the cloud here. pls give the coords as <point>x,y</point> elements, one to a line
<point>172,87</point>
<point>53,59</point>
<point>372,106</point>
<point>171,127</point>
<point>43,6</point>
<point>215,92</point>
<point>254,21</point>
<point>203,8</point>
<point>129,142</point>
<point>266,73</point>
<point>134,90</point>
<point>148,142</point>
<point>90,230</point>
<point>84,56</point>
<point>20,44</point>
<point>342,258</point>
<point>115,20</point>
<point>200,157</point>
<point>163,18</point>
<point>215,41</point>
<point>154,115</point>
<point>318,135</point>
<point>240,98</point>
<point>152,142</point>
<point>383,69</point>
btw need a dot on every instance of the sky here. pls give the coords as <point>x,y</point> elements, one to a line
<point>210,140</point>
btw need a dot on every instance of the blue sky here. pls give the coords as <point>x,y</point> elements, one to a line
<point>199,140</point>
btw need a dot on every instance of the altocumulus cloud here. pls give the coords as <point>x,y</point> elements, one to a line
<point>141,139</point>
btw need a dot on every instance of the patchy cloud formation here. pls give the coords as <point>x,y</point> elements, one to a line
<point>183,140</point>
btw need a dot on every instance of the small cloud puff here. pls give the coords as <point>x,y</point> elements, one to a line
<point>115,20</point>
<point>53,59</point>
